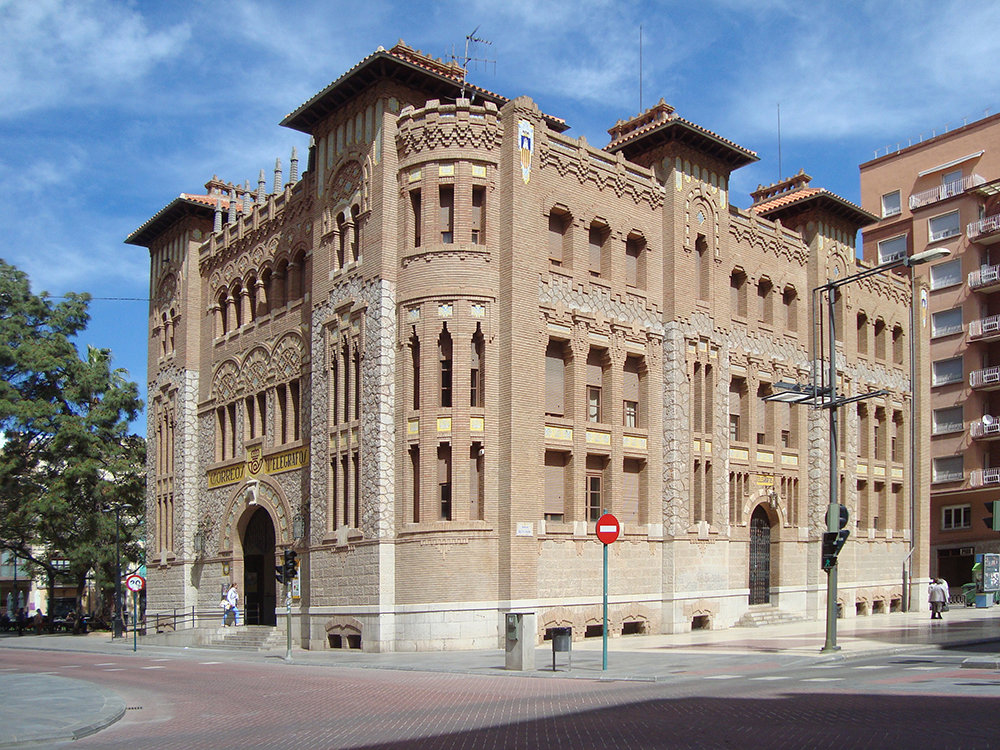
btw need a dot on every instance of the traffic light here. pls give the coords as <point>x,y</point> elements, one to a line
<point>992,522</point>
<point>290,570</point>
<point>279,573</point>
<point>833,542</point>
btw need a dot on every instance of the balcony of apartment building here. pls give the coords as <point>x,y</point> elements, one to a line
<point>984,477</point>
<point>985,429</point>
<point>945,190</point>
<point>986,231</point>
<point>987,379</point>
<point>985,329</point>
<point>985,278</point>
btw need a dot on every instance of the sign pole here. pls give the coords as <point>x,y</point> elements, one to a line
<point>135,621</point>
<point>604,638</point>
<point>288,621</point>
<point>608,528</point>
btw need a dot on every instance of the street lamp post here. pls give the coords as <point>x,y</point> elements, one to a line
<point>118,622</point>
<point>824,396</point>
<point>833,404</point>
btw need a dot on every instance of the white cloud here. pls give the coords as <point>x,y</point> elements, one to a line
<point>55,53</point>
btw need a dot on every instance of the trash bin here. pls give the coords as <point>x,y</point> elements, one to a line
<point>562,641</point>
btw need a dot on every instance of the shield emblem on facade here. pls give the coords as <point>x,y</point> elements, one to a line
<point>526,145</point>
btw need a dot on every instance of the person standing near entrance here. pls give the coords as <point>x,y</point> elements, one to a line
<point>936,598</point>
<point>233,598</point>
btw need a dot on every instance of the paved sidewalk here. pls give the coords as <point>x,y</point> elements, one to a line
<point>45,707</point>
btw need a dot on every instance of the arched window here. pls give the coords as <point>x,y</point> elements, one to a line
<point>356,235</point>
<point>415,367</point>
<point>477,379</point>
<point>444,357</point>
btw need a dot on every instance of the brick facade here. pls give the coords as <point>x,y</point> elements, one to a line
<point>443,354</point>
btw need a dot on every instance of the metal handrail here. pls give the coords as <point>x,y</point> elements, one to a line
<point>948,190</point>
<point>984,226</point>
<point>984,276</point>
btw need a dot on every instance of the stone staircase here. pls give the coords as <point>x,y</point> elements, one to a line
<point>760,615</point>
<point>246,638</point>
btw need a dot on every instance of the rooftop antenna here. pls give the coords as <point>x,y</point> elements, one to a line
<point>473,39</point>
<point>779,141</point>
<point>640,67</point>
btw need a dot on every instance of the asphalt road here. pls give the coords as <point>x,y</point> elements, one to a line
<point>207,699</point>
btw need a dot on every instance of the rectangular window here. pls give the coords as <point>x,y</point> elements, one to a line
<point>947,469</point>
<point>593,497</point>
<point>444,481</point>
<point>595,383</point>
<point>947,371</point>
<point>635,261</point>
<point>631,413</point>
<point>890,204</point>
<point>949,419</point>
<point>946,322</point>
<point>555,379</point>
<point>447,199</point>
<point>892,249</point>
<point>478,215</point>
<point>597,237</point>
<point>956,517</point>
<point>942,227</point>
<point>631,392</point>
<point>593,403</point>
<point>738,293</point>
<point>631,493</point>
<point>558,234</point>
<point>946,274</point>
<point>555,485</point>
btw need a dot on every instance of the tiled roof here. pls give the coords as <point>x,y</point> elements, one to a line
<point>441,79</point>
<point>785,199</point>
<point>660,119</point>
<point>184,204</point>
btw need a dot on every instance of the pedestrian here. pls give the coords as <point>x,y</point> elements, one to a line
<point>224,603</point>
<point>233,598</point>
<point>22,620</point>
<point>935,597</point>
<point>947,593</point>
<point>39,622</point>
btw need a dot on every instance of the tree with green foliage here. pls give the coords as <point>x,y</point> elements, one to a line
<point>68,467</point>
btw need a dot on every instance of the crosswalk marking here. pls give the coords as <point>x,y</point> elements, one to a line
<point>873,666</point>
<point>823,679</point>
<point>917,669</point>
<point>152,667</point>
<point>70,666</point>
<point>115,669</point>
<point>721,676</point>
<point>771,677</point>
<point>209,662</point>
<point>162,660</point>
<point>106,664</point>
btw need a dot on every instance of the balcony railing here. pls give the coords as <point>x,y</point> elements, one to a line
<point>986,428</point>
<point>988,377</point>
<point>949,189</point>
<point>984,276</point>
<point>983,477</point>
<point>983,227</point>
<point>984,328</point>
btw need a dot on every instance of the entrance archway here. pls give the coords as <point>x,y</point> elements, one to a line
<point>760,557</point>
<point>258,569</point>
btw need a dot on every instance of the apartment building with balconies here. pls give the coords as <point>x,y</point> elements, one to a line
<point>944,192</point>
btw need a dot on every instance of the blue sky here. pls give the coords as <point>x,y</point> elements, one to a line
<point>109,110</point>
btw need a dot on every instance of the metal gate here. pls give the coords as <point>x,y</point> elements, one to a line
<point>760,557</point>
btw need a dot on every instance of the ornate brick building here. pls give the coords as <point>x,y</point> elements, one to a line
<point>430,363</point>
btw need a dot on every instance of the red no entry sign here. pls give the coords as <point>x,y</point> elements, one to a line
<point>608,528</point>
